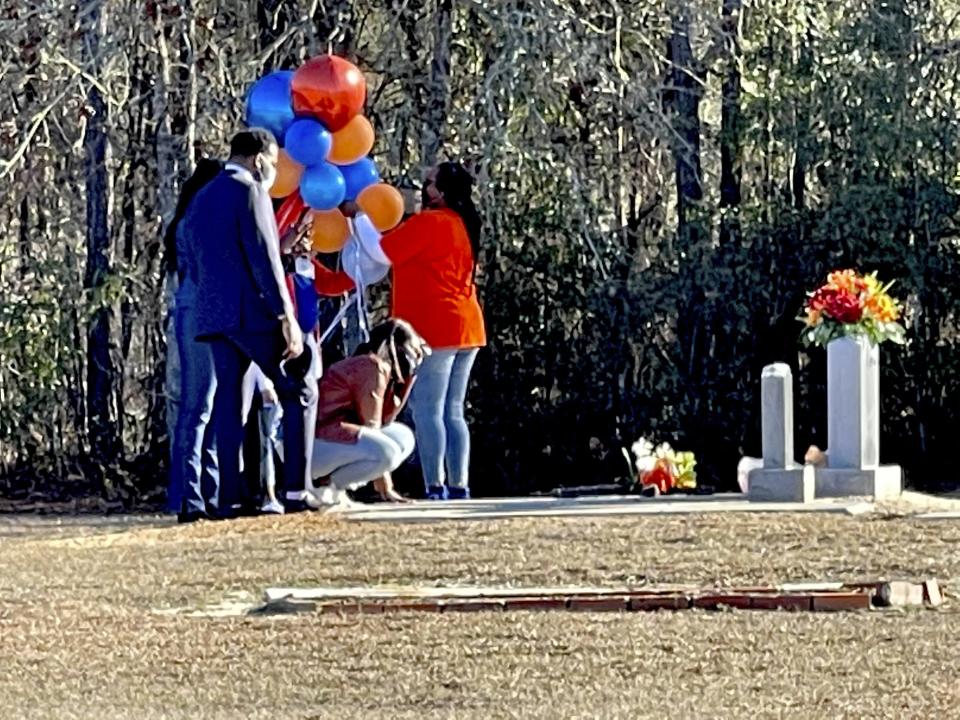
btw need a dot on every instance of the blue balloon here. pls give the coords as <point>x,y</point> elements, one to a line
<point>308,142</point>
<point>269,105</point>
<point>322,187</point>
<point>359,175</point>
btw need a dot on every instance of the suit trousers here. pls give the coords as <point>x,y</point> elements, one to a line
<point>296,388</point>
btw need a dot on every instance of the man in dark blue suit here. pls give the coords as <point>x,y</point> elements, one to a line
<point>246,314</point>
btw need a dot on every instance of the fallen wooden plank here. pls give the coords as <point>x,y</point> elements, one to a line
<point>811,596</point>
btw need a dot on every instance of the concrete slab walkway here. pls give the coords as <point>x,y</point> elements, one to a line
<point>615,505</point>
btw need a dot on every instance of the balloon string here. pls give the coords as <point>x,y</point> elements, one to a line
<point>336,320</point>
<point>361,290</point>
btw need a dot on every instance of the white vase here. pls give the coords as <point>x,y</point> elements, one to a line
<point>853,403</point>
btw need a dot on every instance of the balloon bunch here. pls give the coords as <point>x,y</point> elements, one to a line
<point>315,114</point>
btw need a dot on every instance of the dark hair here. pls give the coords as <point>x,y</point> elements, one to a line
<point>205,171</point>
<point>250,142</point>
<point>389,339</point>
<point>456,184</point>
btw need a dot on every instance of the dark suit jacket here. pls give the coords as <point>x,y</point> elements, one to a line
<point>235,254</point>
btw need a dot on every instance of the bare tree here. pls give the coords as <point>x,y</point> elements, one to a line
<point>731,169</point>
<point>438,93</point>
<point>684,91</point>
<point>101,372</point>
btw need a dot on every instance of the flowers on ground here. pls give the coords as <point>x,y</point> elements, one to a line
<point>664,468</point>
<point>852,304</point>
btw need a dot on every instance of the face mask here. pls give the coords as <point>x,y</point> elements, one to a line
<point>268,175</point>
<point>426,201</point>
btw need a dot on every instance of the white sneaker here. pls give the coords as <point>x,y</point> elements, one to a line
<point>272,507</point>
<point>343,501</point>
<point>320,498</point>
<point>327,497</point>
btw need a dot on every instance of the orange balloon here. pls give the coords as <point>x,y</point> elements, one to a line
<point>355,141</point>
<point>289,172</point>
<point>330,231</point>
<point>383,204</point>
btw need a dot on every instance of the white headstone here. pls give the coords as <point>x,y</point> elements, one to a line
<point>776,416</point>
<point>780,479</point>
<point>853,424</point>
<point>853,403</point>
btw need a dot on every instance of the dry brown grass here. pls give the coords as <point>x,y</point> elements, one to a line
<point>81,635</point>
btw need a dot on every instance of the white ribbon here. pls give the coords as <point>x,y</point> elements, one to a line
<point>339,316</point>
<point>365,262</point>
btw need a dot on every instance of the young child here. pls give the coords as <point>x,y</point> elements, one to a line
<point>269,416</point>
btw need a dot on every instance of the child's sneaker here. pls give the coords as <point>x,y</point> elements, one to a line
<point>272,507</point>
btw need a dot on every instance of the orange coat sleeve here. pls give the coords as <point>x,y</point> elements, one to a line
<point>406,241</point>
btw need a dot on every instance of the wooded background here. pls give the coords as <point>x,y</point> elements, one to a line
<point>661,183</point>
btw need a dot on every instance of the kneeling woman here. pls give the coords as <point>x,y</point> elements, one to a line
<point>358,438</point>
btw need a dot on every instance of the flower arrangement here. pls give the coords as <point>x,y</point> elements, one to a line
<point>852,304</point>
<point>663,468</point>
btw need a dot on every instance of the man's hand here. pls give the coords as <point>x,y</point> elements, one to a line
<point>294,337</point>
<point>349,208</point>
<point>297,237</point>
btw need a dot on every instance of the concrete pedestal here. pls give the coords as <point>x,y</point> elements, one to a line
<point>782,485</point>
<point>881,482</point>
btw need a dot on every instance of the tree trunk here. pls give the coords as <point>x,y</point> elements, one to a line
<point>731,170</point>
<point>186,119</point>
<point>683,99</point>
<point>414,106</point>
<point>803,147</point>
<point>438,95</point>
<point>165,147</point>
<point>166,155</point>
<point>693,313</point>
<point>101,374</point>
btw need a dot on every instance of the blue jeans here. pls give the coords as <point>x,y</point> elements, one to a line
<point>437,399</point>
<point>270,418</point>
<point>194,472</point>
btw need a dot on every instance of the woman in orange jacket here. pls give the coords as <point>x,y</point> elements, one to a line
<point>434,260</point>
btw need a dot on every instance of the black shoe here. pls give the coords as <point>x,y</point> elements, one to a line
<point>238,511</point>
<point>192,516</point>
<point>294,506</point>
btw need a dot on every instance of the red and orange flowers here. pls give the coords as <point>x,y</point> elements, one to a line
<point>663,467</point>
<point>852,304</point>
